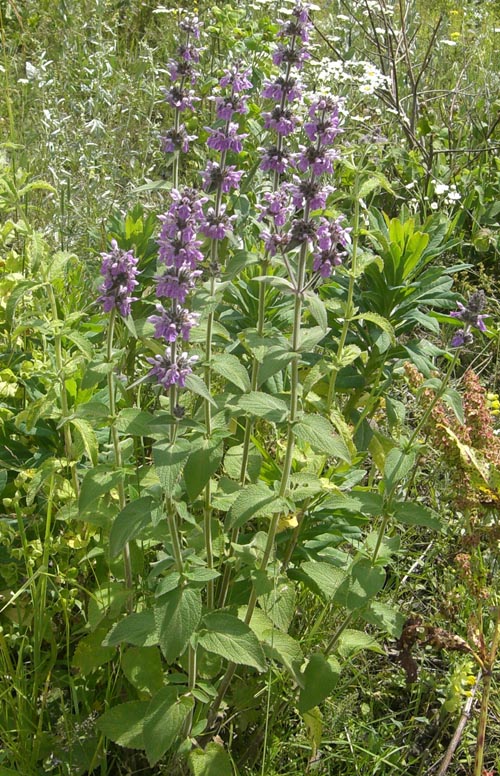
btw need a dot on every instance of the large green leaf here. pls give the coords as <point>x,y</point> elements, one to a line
<point>201,465</point>
<point>262,405</point>
<point>353,641</point>
<point>129,523</point>
<point>176,618</point>
<point>138,629</point>
<point>211,761</point>
<point>163,722</point>
<point>232,639</point>
<point>143,668</point>
<point>412,513</point>
<point>169,459</point>
<point>253,501</point>
<point>363,583</point>
<point>231,368</point>
<point>319,679</point>
<point>320,434</point>
<point>326,578</point>
<point>96,483</point>
<point>124,724</point>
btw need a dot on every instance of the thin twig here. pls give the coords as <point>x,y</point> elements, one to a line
<point>446,761</point>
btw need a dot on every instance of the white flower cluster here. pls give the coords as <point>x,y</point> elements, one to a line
<point>364,76</point>
<point>449,193</point>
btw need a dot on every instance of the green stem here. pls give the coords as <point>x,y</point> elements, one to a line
<point>287,464</point>
<point>117,450</point>
<point>349,306</point>
<point>487,678</point>
<point>68,441</point>
<point>408,446</point>
<point>338,633</point>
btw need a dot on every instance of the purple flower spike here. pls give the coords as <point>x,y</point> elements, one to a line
<point>274,242</point>
<point>229,140</point>
<point>470,314</point>
<point>177,282</point>
<point>216,227</point>
<point>170,372</point>
<point>282,88</point>
<point>173,323</point>
<point>277,207</point>
<point>286,55</point>
<point>214,176</point>
<point>310,192</point>
<point>181,99</point>
<point>318,160</point>
<point>332,237</point>
<point>274,159</point>
<point>227,106</point>
<point>282,121</point>
<point>119,269</point>
<point>237,79</point>
<point>176,140</point>
<point>191,25</point>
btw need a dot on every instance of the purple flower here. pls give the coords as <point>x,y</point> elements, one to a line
<point>274,159</point>
<point>182,68</point>
<point>173,323</point>
<point>176,282</point>
<point>462,337</point>
<point>178,98</point>
<point>274,242</point>
<point>176,140</point>
<point>177,242</point>
<point>282,88</point>
<point>237,79</point>
<point>227,139</point>
<point>189,53</point>
<point>325,125</point>
<point>119,270</point>
<point>302,231</point>
<point>277,206</point>
<point>217,226</point>
<point>228,178</point>
<point>318,160</point>
<point>298,27</point>
<point>281,120</point>
<point>170,372</point>
<point>289,55</point>
<point>226,106</point>
<point>471,316</point>
<point>191,25</point>
<point>332,237</point>
<point>309,191</point>
<point>470,313</point>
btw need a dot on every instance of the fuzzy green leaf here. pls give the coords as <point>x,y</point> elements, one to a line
<point>262,405</point>
<point>164,721</point>
<point>129,523</point>
<point>124,724</point>
<point>176,618</point>
<point>169,459</point>
<point>320,434</point>
<point>231,368</point>
<point>138,629</point>
<point>211,761</point>
<point>232,639</point>
<point>201,465</point>
<point>319,679</point>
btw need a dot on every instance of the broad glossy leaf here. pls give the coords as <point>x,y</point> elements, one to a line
<point>201,465</point>
<point>169,459</point>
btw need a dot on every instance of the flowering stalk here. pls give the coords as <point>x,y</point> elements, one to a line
<point>283,122</point>
<point>68,441</point>
<point>349,305</point>
<point>122,500</point>
<point>119,271</point>
<point>220,178</point>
